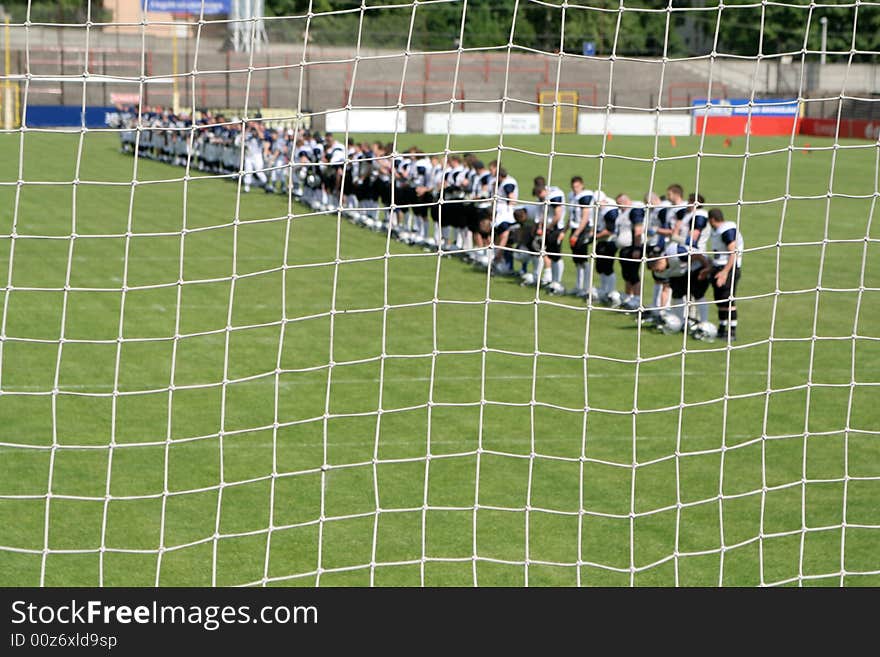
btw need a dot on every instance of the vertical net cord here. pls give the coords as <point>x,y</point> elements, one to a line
<point>383,354</point>
<point>484,347</point>
<point>603,154</point>
<point>178,301</point>
<point>114,401</point>
<point>166,453</point>
<point>285,320</point>
<point>643,273</point>
<point>634,457</point>
<point>227,333</point>
<point>65,300</point>
<point>733,291</point>
<point>775,301</point>
<point>325,466</point>
<point>767,395</point>
<point>536,344</point>
<point>435,332</point>
<point>9,288</point>
<point>806,435</point>
<point>814,337</point>
<point>594,217</point>
<point>683,404</point>
<point>16,215</point>
<point>848,429</point>
<point>181,253</point>
<point>288,231</point>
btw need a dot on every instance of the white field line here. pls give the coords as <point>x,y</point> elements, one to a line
<point>268,379</point>
<point>467,444</point>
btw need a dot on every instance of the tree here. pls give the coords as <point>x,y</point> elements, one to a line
<point>635,27</point>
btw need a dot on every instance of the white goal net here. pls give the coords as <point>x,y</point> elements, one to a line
<point>439,292</point>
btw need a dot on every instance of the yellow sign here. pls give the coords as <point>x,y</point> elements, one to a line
<point>558,111</point>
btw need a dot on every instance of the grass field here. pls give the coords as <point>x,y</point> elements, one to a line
<point>694,464</point>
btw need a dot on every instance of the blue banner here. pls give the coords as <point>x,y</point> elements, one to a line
<point>68,116</point>
<point>740,107</point>
<point>193,7</point>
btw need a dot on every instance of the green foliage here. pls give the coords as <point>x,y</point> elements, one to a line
<point>56,11</point>
<point>643,28</point>
<point>786,26</point>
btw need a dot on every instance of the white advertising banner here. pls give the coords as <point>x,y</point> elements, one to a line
<point>366,120</point>
<point>635,123</point>
<point>481,123</point>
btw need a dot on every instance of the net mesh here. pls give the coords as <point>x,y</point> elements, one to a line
<point>372,419</point>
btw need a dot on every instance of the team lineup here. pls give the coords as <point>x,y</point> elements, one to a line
<point>457,204</point>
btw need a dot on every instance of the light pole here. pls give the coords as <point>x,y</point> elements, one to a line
<point>824,22</point>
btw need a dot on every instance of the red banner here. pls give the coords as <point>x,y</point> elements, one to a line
<point>849,128</point>
<point>735,126</point>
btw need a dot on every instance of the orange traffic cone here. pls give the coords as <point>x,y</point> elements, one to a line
<point>807,148</point>
<point>727,142</point>
<point>610,136</point>
<point>673,141</point>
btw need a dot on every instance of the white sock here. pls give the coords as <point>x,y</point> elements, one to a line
<point>702,309</point>
<point>543,273</point>
<point>680,309</point>
<point>579,272</point>
<point>608,284</point>
<point>658,295</point>
<point>557,267</point>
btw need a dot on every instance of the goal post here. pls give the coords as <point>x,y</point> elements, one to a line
<point>299,338</point>
<point>10,105</point>
<point>558,111</point>
<point>9,102</point>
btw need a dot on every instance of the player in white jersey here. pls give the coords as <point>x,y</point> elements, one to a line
<point>628,233</point>
<point>657,231</point>
<point>302,157</point>
<point>254,149</point>
<point>484,181</point>
<point>505,203</point>
<point>383,172</point>
<point>606,250</point>
<point>551,224</point>
<point>402,195</point>
<point>366,185</point>
<point>693,224</point>
<point>450,211</point>
<point>316,144</point>
<point>434,181</point>
<point>679,266</point>
<point>725,251</point>
<point>677,206</point>
<point>334,155</point>
<point>347,187</point>
<point>657,228</point>
<point>422,185</point>
<point>582,202</point>
<point>279,159</point>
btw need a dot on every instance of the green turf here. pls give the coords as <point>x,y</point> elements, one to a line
<point>734,463</point>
